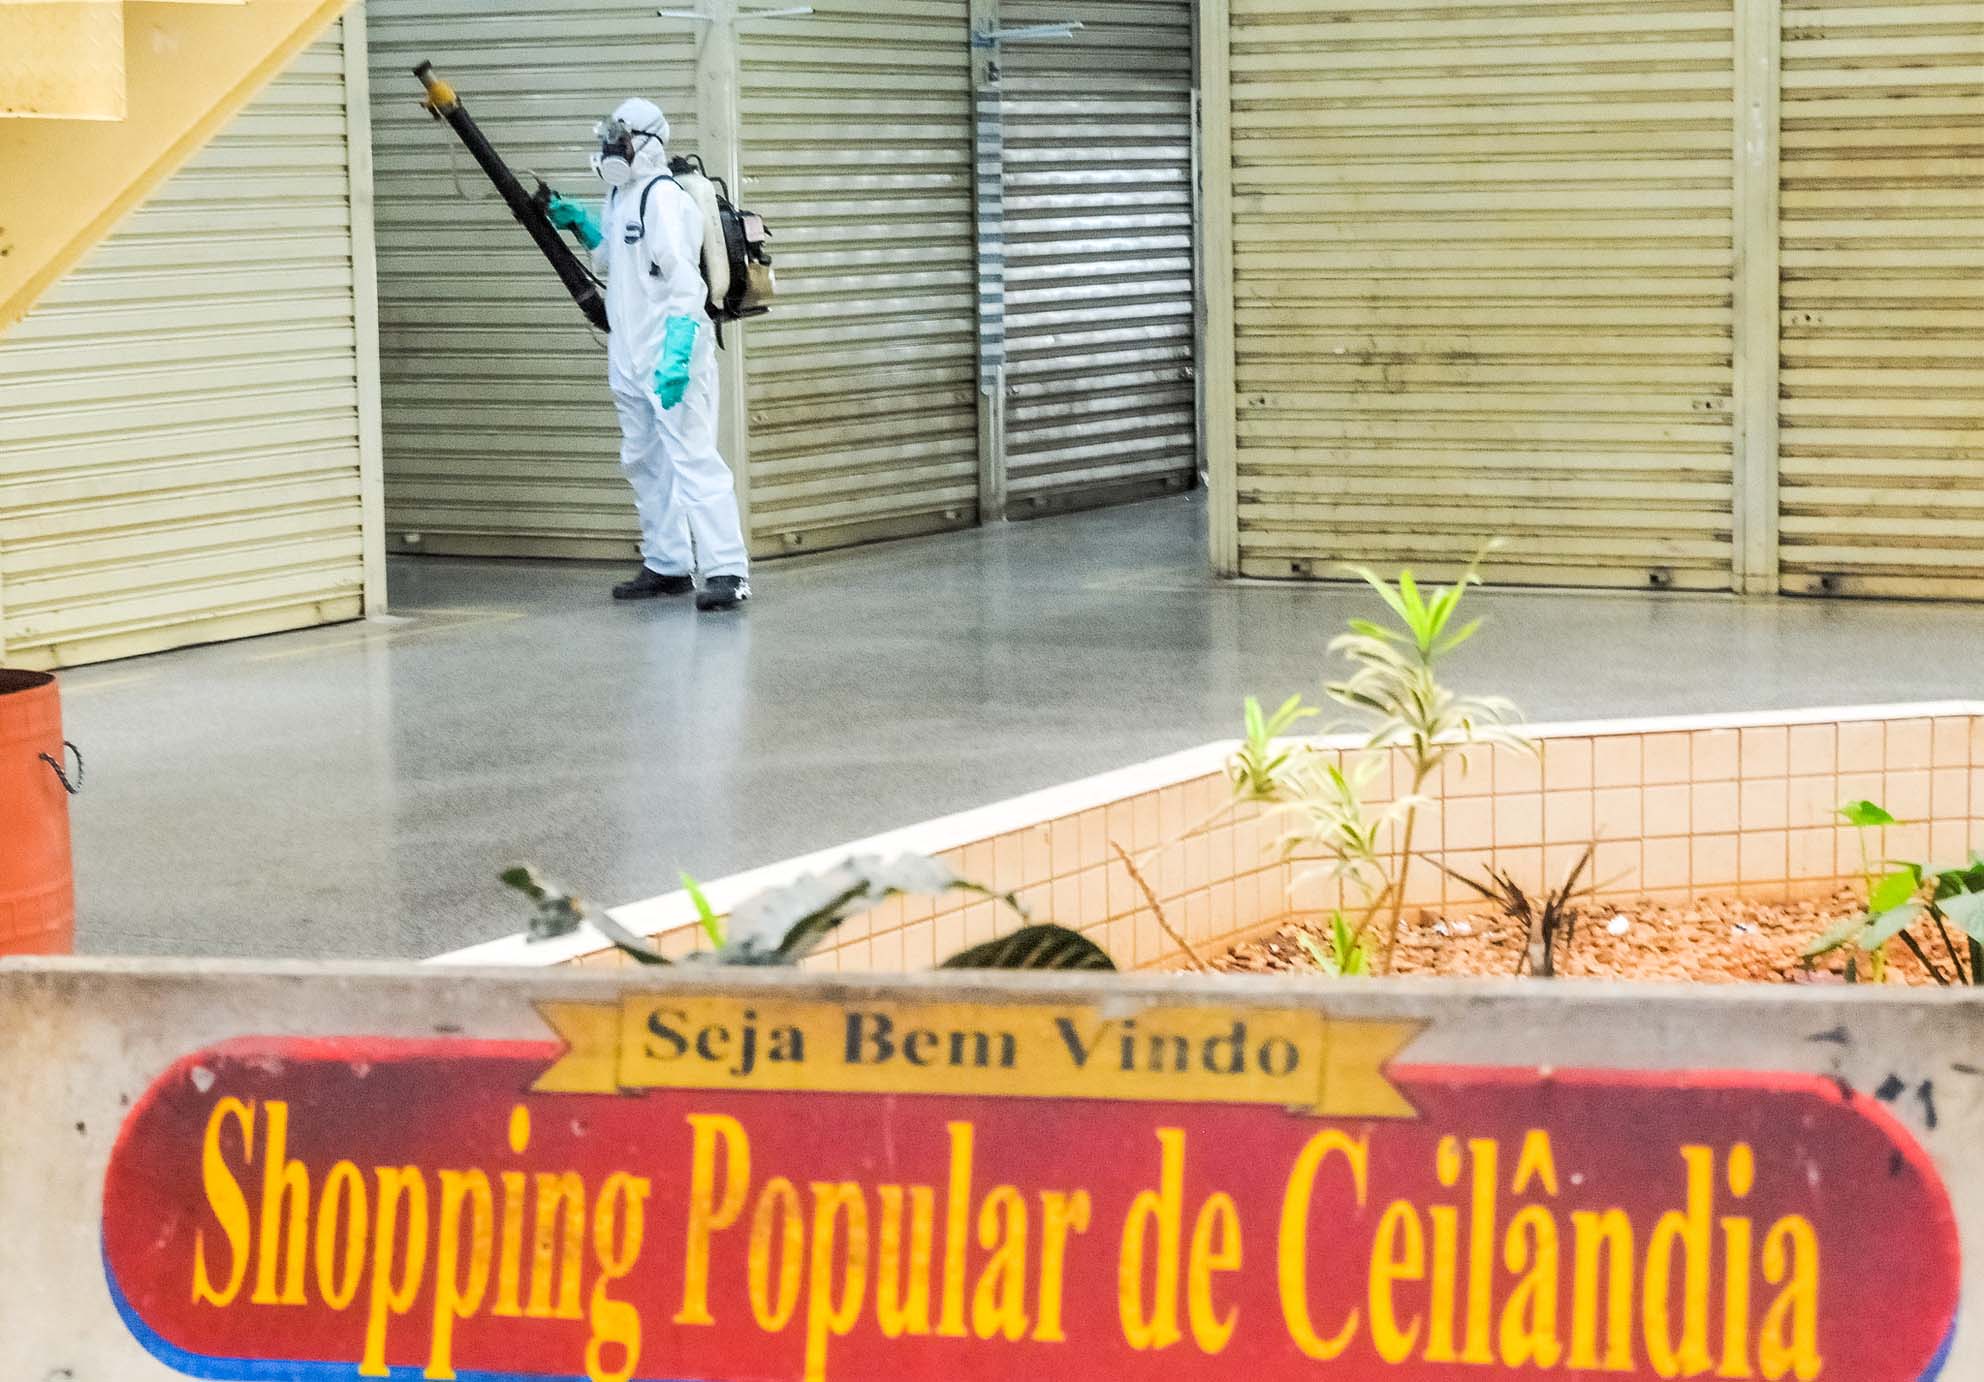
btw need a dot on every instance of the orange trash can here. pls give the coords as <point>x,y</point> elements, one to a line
<point>37,885</point>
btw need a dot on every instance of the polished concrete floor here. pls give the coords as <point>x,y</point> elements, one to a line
<point>354,791</point>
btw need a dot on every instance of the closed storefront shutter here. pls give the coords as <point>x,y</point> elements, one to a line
<point>180,443</point>
<point>501,437</point>
<point>856,130</point>
<point>1882,257</point>
<point>1098,197</point>
<point>1483,286</point>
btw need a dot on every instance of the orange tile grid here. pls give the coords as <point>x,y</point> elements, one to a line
<point>1671,814</point>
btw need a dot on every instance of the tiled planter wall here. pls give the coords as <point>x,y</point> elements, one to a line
<point>1676,809</point>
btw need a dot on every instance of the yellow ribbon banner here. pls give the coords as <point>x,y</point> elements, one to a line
<point>1296,1058</point>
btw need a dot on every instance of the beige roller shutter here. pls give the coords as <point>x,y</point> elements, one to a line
<point>1098,196</point>
<point>501,437</point>
<point>1883,276</point>
<point>180,444</point>
<point>856,129</point>
<point>1483,286</point>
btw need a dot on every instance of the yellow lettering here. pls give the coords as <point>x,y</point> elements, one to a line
<point>509,1265</point>
<point>902,1291</point>
<point>1690,1232</point>
<point>558,1250</point>
<point>1163,1210</point>
<point>1611,1231</point>
<point>615,1323</point>
<point>283,1181</point>
<point>1292,1257</point>
<point>1219,1219</point>
<point>826,1315</point>
<point>957,1227</point>
<point>708,1213</point>
<point>344,1190</point>
<point>1529,1319</point>
<point>396,1184</point>
<point>1060,1215</point>
<point>1537,1162</point>
<point>229,1204</point>
<point>1736,1301</point>
<point>998,1306</point>
<point>1788,1343</point>
<point>1448,1164</point>
<point>1737,1234</point>
<point>1481,1251</point>
<point>779,1199</point>
<point>1397,1254</point>
<point>454,1299</point>
<point>1440,1346</point>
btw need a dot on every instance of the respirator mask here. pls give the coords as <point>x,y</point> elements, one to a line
<point>614,163</point>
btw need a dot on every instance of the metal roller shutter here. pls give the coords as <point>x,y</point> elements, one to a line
<point>863,384</point>
<point>1882,453</point>
<point>180,437</point>
<point>500,433</point>
<point>1098,195</point>
<point>1483,286</point>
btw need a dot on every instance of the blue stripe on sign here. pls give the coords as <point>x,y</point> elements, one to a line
<point>262,1370</point>
<point>1942,1358</point>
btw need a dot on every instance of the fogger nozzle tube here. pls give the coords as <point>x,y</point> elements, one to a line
<point>439,94</point>
<point>578,280</point>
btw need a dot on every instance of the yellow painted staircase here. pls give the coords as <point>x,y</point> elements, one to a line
<point>101,100</point>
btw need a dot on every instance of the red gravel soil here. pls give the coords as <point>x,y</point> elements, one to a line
<point>1715,941</point>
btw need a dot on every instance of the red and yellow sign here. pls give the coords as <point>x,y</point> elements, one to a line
<point>726,1190</point>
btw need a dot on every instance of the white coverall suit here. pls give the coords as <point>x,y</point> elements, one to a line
<point>682,488</point>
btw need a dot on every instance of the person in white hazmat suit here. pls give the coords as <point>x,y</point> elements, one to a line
<point>661,362</point>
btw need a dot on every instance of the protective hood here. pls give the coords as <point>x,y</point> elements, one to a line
<point>637,126</point>
<point>645,117</point>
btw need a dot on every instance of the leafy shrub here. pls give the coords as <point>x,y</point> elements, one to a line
<point>1902,899</point>
<point>1396,689</point>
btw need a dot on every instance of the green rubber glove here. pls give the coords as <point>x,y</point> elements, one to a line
<point>678,348</point>
<point>569,215</point>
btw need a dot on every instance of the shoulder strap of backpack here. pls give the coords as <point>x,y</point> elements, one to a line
<point>652,184</point>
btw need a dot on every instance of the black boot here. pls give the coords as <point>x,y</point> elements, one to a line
<point>652,585</point>
<point>723,592</point>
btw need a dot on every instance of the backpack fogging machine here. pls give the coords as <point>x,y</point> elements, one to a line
<point>737,261</point>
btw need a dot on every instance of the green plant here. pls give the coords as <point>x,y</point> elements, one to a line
<point>1395,684</point>
<point>1899,900</point>
<point>706,916</point>
<point>1344,957</point>
<point>784,925</point>
<point>1549,925</point>
<point>1959,901</point>
<point>1263,769</point>
<point>1333,818</point>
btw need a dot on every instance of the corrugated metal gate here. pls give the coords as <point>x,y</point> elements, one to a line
<point>855,139</point>
<point>1100,299</point>
<point>1883,280</point>
<point>500,433</point>
<point>1483,286</point>
<point>180,435</point>
<point>856,129</point>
